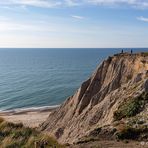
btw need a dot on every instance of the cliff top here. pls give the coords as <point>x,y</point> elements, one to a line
<point>144,54</point>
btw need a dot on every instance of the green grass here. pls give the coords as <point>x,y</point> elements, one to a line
<point>145,53</point>
<point>131,107</point>
<point>17,136</point>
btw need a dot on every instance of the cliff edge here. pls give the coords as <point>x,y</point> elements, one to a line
<point>105,104</point>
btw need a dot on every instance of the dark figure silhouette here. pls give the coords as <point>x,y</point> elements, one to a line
<point>122,51</point>
<point>131,51</point>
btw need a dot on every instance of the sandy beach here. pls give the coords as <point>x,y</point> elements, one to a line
<point>29,117</point>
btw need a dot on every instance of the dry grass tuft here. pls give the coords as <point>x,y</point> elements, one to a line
<point>16,136</point>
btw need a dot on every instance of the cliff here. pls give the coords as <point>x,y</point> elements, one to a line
<point>109,96</point>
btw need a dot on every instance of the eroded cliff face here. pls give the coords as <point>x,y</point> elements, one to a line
<point>94,103</point>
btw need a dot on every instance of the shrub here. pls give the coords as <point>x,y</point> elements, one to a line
<point>86,140</point>
<point>144,53</point>
<point>132,133</point>
<point>17,136</point>
<point>128,133</point>
<point>131,107</point>
<point>12,125</point>
<point>1,120</point>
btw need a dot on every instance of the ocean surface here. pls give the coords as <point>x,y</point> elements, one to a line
<point>32,78</point>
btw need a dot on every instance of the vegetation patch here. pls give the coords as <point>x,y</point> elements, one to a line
<point>86,140</point>
<point>133,133</point>
<point>131,107</point>
<point>144,53</point>
<point>95,132</point>
<point>128,133</point>
<point>17,136</point>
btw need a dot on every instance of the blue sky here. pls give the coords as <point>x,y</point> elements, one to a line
<point>74,23</point>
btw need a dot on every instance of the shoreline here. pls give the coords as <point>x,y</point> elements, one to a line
<point>26,110</point>
<point>30,117</point>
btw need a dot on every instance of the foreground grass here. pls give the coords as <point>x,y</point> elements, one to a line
<point>17,136</point>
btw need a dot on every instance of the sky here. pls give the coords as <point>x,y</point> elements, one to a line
<point>73,23</point>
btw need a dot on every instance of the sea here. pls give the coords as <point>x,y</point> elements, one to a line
<point>42,77</point>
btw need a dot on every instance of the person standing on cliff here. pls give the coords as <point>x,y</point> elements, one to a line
<point>131,51</point>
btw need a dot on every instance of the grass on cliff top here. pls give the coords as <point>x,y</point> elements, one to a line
<point>17,136</point>
<point>144,53</point>
<point>131,107</point>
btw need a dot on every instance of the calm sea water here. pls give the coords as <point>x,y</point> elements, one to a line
<point>45,77</point>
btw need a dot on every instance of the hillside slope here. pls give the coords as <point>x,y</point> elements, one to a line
<point>115,93</point>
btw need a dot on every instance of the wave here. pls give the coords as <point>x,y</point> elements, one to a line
<point>30,109</point>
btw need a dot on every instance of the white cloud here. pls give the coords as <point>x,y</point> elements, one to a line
<point>77,17</point>
<point>70,3</point>
<point>7,25</point>
<point>141,18</point>
<point>35,3</point>
<point>73,2</point>
<point>3,18</point>
<point>133,3</point>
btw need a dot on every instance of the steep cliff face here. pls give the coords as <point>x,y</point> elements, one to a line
<point>94,104</point>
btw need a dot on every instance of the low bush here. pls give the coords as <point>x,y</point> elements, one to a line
<point>128,133</point>
<point>17,136</point>
<point>131,107</point>
<point>145,53</point>
<point>132,133</point>
<point>1,120</point>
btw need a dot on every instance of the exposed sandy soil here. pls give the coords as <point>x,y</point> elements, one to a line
<point>32,118</point>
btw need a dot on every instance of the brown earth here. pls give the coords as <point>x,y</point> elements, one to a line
<point>118,79</point>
